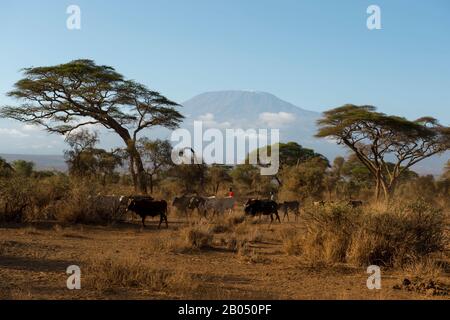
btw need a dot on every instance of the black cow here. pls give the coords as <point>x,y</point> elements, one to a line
<point>293,206</point>
<point>262,207</point>
<point>147,207</point>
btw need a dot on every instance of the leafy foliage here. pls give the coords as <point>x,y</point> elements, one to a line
<point>68,96</point>
<point>375,136</point>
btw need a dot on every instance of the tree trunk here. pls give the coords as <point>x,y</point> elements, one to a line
<point>151,183</point>
<point>133,173</point>
<point>216,189</point>
<point>137,169</point>
<point>140,173</point>
<point>378,186</point>
<point>136,166</point>
<point>391,187</point>
<point>385,190</point>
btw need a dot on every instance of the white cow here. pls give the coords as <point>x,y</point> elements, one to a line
<point>110,205</point>
<point>219,205</point>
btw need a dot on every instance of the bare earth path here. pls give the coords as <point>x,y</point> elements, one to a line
<point>33,261</point>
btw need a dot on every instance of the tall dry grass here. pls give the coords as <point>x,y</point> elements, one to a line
<point>16,199</point>
<point>386,236</point>
<point>108,273</point>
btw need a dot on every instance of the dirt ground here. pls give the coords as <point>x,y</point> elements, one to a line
<point>34,258</point>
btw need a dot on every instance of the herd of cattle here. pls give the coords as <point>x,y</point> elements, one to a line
<point>145,206</point>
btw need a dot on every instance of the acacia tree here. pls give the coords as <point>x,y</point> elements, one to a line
<point>305,180</point>
<point>6,170</point>
<point>81,143</point>
<point>334,176</point>
<point>84,159</point>
<point>218,175</point>
<point>65,97</point>
<point>23,168</point>
<point>376,137</point>
<point>290,154</point>
<point>446,174</point>
<point>156,156</point>
<point>247,177</point>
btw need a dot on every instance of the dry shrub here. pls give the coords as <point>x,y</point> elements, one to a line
<point>70,232</point>
<point>50,191</point>
<point>254,235</point>
<point>291,241</point>
<point>161,244</point>
<point>27,199</point>
<point>423,276</point>
<point>328,234</point>
<point>198,236</point>
<point>226,223</point>
<point>398,236</point>
<point>220,225</point>
<point>249,255</point>
<point>170,188</point>
<point>425,268</point>
<point>235,218</point>
<point>110,274</point>
<point>16,203</point>
<point>248,232</point>
<point>233,242</point>
<point>80,206</point>
<point>390,237</point>
<point>240,240</point>
<point>30,231</point>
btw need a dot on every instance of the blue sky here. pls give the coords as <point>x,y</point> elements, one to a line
<point>314,54</point>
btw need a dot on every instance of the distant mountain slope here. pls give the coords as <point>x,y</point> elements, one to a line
<point>232,104</point>
<point>258,110</point>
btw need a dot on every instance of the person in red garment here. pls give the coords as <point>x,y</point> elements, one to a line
<point>231,195</point>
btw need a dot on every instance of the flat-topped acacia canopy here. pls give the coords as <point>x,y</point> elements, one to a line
<point>373,135</point>
<point>65,97</point>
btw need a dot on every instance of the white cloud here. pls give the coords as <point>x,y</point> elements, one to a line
<point>13,133</point>
<point>275,120</point>
<point>209,121</point>
<point>257,135</point>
